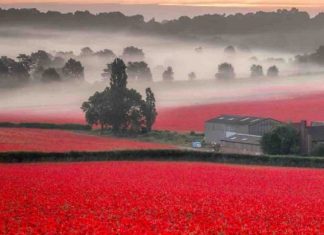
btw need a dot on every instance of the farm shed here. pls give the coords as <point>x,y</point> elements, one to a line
<point>225,126</point>
<point>242,143</point>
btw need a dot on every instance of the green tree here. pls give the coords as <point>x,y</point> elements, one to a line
<point>41,58</point>
<point>86,52</point>
<point>20,72</point>
<point>225,71</point>
<point>281,140</point>
<point>117,106</point>
<point>149,109</point>
<point>273,71</point>
<point>139,71</point>
<point>50,75</point>
<point>168,74</point>
<point>118,78</point>
<point>133,54</point>
<point>73,70</point>
<point>256,71</point>
<point>4,70</point>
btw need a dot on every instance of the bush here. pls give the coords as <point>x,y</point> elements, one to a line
<point>77,127</point>
<point>318,150</point>
<point>281,140</point>
<point>161,155</point>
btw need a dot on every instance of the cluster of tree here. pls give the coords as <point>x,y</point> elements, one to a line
<point>168,74</point>
<point>120,108</point>
<point>257,71</point>
<point>130,53</point>
<point>138,70</point>
<point>259,22</point>
<point>316,57</point>
<point>226,71</point>
<point>88,52</point>
<point>282,140</point>
<point>13,72</point>
<point>133,54</point>
<point>39,66</point>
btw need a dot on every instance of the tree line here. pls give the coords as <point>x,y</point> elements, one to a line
<point>42,66</point>
<point>39,66</point>
<point>281,20</point>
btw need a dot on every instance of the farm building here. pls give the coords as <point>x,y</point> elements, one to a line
<point>224,126</point>
<point>242,143</point>
<point>310,136</point>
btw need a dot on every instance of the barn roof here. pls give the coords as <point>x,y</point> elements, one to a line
<point>243,139</point>
<point>236,120</point>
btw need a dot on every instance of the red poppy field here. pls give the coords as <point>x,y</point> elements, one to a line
<point>22,139</point>
<point>188,118</point>
<point>165,198</point>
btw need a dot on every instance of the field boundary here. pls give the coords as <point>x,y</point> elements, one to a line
<point>162,155</point>
<point>67,126</point>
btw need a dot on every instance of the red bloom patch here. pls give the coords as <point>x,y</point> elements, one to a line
<point>189,118</point>
<point>153,198</point>
<point>22,139</point>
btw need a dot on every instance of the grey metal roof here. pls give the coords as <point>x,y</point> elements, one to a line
<point>237,120</point>
<point>243,139</point>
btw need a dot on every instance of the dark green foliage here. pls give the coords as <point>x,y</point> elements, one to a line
<point>139,71</point>
<point>107,72</point>
<point>41,58</point>
<point>106,54</point>
<point>78,127</point>
<point>4,70</point>
<point>12,72</point>
<point>225,71</point>
<point>282,140</point>
<point>273,71</point>
<point>149,109</point>
<point>50,75</point>
<point>118,77</point>
<point>317,57</point>
<point>58,62</point>
<point>73,70</point>
<point>118,107</point>
<point>168,74</point>
<point>162,155</point>
<point>25,60</point>
<point>281,21</point>
<point>256,71</point>
<point>318,150</point>
<point>133,54</point>
<point>86,52</point>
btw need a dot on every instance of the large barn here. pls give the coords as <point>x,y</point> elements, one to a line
<point>224,126</point>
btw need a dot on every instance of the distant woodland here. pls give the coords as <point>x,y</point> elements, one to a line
<point>260,22</point>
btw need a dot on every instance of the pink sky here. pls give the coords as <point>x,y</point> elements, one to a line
<point>217,3</point>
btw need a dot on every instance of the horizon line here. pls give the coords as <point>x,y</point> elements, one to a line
<point>216,5</point>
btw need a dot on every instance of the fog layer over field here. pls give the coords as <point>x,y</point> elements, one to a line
<point>159,53</point>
